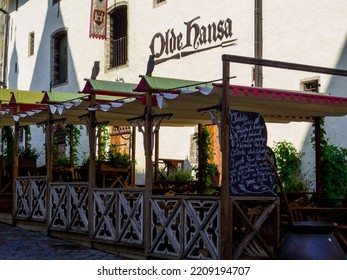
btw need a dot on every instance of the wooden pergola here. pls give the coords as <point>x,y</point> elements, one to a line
<point>182,226</point>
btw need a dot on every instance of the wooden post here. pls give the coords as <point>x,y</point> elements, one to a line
<point>133,154</point>
<point>149,174</point>
<point>156,156</point>
<point>225,232</point>
<point>49,161</point>
<point>91,167</point>
<point>72,140</point>
<point>318,155</point>
<point>15,162</point>
<point>201,168</point>
<point>258,41</point>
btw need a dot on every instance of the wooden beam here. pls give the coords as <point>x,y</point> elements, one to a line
<point>225,234</point>
<point>283,65</point>
<point>318,156</point>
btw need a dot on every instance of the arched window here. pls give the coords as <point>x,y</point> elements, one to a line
<point>118,45</point>
<point>59,57</point>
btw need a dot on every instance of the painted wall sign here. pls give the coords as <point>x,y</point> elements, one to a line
<point>251,173</point>
<point>196,38</point>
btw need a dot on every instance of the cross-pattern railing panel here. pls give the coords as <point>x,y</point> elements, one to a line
<point>118,215</point>
<point>69,206</point>
<point>130,213</point>
<point>30,198</point>
<point>104,216</point>
<point>185,227</point>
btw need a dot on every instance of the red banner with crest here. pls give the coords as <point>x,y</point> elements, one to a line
<point>98,19</point>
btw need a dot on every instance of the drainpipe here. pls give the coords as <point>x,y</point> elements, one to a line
<point>258,41</point>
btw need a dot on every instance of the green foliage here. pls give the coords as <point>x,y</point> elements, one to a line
<point>117,159</point>
<point>104,143</point>
<point>208,168</point>
<point>62,161</point>
<point>76,134</point>
<point>288,164</point>
<point>8,140</point>
<point>334,167</point>
<point>178,175</point>
<point>28,153</point>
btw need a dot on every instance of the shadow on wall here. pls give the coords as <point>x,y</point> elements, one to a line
<point>41,77</point>
<point>13,68</point>
<point>334,127</point>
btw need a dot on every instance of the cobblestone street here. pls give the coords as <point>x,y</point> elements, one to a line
<point>21,244</point>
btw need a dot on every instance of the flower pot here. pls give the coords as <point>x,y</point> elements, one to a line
<point>310,241</point>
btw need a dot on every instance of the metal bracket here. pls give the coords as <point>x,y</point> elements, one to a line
<point>214,112</point>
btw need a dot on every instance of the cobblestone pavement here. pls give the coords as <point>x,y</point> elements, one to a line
<point>21,244</point>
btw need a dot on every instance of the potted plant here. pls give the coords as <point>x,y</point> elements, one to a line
<point>114,160</point>
<point>27,156</point>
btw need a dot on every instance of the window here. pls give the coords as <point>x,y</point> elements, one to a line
<point>310,85</point>
<point>31,41</point>
<point>118,45</point>
<point>59,58</point>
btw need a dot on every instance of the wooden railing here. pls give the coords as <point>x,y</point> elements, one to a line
<point>185,227</point>
<point>118,215</point>
<point>181,226</point>
<point>68,209</point>
<point>30,198</point>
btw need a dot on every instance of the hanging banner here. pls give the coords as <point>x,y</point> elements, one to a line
<point>98,19</point>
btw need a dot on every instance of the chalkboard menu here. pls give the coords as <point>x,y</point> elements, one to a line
<point>251,173</point>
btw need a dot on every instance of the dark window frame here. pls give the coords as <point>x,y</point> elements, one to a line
<point>31,43</point>
<point>59,57</point>
<point>118,36</point>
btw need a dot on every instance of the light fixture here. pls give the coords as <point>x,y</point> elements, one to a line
<point>52,108</point>
<point>16,118</point>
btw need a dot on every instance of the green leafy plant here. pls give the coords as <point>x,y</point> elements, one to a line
<point>288,161</point>
<point>177,175</point>
<point>76,134</point>
<point>334,167</point>
<point>117,159</point>
<point>208,169</point>
<point>28,153</point>
<point>8,140</point>
<point>62,161</point>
